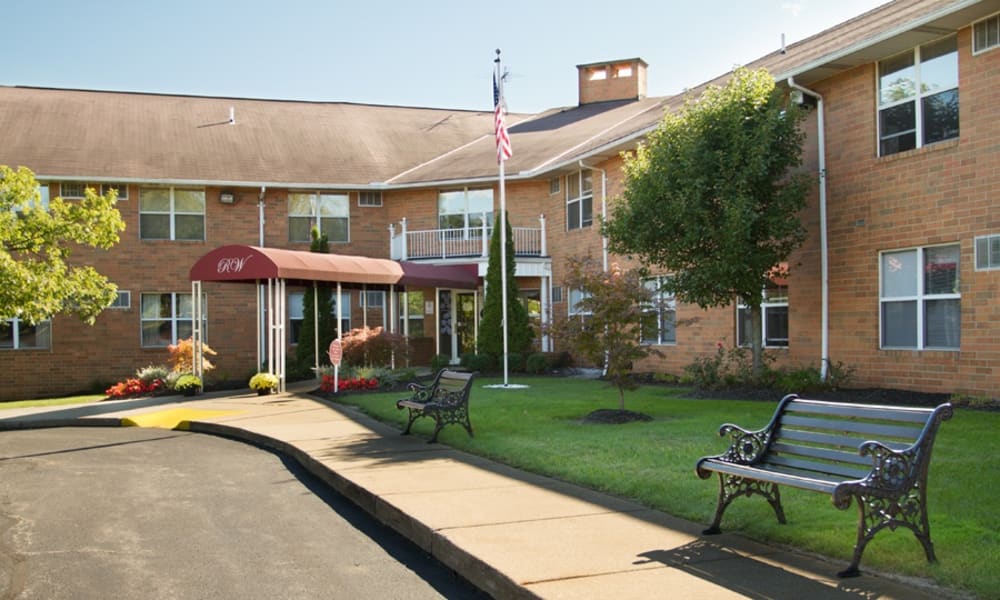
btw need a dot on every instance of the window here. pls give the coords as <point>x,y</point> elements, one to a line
<point>988,252</point>
<point>557,294</point>
<point>16,334</point>
<point>375,299</point>
<point>554,186</point>
<point>774,317</point>
<point>411,314</point>
<point>659,316</point>
<point>41,200</point>
<point>575,297</point>
<point>123,300</point>
<point>169,213</point>
<point>370,199</point>
<point>579,200</point>
<point>167,318</point>
<point>330,212</point>
<point>462,213</point>
<point>986,34</point>
<point>918,97</point>
<point>72,189</point>
<point>121,188</point>
<point>920,300</point>
<point>296,315</point>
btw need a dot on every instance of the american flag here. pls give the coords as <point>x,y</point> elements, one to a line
<point>499,128</point>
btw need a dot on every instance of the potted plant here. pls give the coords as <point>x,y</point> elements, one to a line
<point>264,383</point>
<point>188,384</point>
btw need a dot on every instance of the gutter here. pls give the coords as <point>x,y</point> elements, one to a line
<point>823,250</point>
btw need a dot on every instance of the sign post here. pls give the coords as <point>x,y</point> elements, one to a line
<point>336,353</point>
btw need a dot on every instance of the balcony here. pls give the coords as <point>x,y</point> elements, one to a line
<point>441,244</point>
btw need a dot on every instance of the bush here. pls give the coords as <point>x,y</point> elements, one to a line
<point>484,363</point>
<point>151,373</point>
<point>182,356</point>
<point>727,368</point>
<point>187,382</point>
<point>370,347</point>
<point>264,381</point>
<point>440,362</point>
<point>515,362</point>
<point>538,363</point>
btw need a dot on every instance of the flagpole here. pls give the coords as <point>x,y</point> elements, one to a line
<point>503,229</point>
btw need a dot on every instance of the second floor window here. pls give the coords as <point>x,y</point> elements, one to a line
<point>918,97</point>
<point>331,213</point>
<point>462,213</point>
<point>170,213</point>
<point>579,200</point>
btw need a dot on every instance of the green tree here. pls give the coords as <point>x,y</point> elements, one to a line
<point>37,279</point>
<point>325,322</point>
<point>608,334</point>
<point>713,196</point>
<point>519,331</point>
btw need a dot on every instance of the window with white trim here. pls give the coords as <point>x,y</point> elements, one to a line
<point>121,188</point>
<point>918,97</point>
<point>331,213</point>
<point>411,314</point>
<point>575,298</point>
<point>461,213</point>
<point>370,199</point>
<point>986,34</point>
<point>988,252</point>
<point>920,300</point>
<point>171,213</point>
<point>168,317</point>
<point>659,315</point>
<point>72,189</point>
<point>774,318</point>
<point>41,200</point>
<point>579,200</point>
<point>16,334</point>
<point>296,315</point>
<point>123,300</point>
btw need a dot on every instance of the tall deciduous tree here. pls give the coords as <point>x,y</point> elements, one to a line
<point>37,280</point>
<point>713,196</point>
<point>519,330</point>
<point>608,332</point>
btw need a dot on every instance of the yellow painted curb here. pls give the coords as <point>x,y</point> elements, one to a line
<point>174,418</point>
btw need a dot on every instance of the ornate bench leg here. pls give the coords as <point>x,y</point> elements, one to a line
<point>414,415</point>
<point>438,424</point>
<point>731,486</point>
<point>875,514</point>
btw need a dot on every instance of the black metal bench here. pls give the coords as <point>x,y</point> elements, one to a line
<point>877,455</point>
<point>446,400</point>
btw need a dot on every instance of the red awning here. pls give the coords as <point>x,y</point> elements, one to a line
<point>249,263</point>
<point>459,277</point>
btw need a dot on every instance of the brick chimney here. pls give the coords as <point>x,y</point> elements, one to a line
<point>612,80</point>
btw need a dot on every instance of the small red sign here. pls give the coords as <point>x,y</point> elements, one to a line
<point>336,353</point>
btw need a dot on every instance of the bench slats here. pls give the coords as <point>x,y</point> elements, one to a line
<point>829,469</point>
<point>876,430</point>
<point>828,439</point>
<point>784,477</point>
<point>894,413</point>
<point>822,453</point>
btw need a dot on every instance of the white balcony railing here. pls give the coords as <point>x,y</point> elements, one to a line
<point>459,243</point>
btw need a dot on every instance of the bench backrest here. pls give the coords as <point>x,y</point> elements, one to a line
<point>822,439</point>
<point>454,381</point>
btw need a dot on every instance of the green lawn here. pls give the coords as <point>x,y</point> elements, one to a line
<point>539,429</point>
<point>53,401</point>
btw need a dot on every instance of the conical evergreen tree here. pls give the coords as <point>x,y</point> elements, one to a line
<point>305,357</point>
<point>519,330</point>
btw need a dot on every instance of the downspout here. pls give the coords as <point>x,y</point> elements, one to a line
<point>604,211</point>
<point>823,252</point>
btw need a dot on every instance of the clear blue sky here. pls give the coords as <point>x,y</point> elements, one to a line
<point>435,53</point>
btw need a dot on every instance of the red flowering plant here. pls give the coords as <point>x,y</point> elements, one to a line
<point>348,384</point>
<point>134,387</point>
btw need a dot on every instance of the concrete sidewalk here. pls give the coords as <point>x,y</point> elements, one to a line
<point>511,533</point>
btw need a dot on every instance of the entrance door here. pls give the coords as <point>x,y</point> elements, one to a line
<point>465,317</point>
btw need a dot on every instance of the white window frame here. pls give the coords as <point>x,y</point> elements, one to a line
<point>986,246</point>
<point>917,98</point>
<point>467,212</point>
<point>72,194</point>
<point>172,212</point>
<point>296,304</point>
<point>323,206</point>
<point>123,301</point>
<point>43,329</point>
<point>575,297</point>
<point>173,320</point>
<point>577,203</point>
<point>121,187</point>
<point>921,298</point>
<point>769,304</point>
<point>660,303</point>
<point>990,34</point>
<point>370,199</point>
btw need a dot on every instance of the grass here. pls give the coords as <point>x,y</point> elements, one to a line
<point>539,429</point>
<point>52,401</point>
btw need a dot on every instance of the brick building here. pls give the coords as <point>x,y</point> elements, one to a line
<point>900,276</point>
